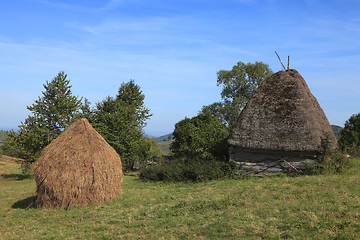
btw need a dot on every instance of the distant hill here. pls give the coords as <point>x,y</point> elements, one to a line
<point>148,136</point>
<point>336,129</point>
<point>2,137</point>
<point>166,137</point>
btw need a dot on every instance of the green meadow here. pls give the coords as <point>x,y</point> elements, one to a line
<point>281,207</point>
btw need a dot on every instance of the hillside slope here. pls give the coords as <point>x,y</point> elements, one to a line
<point>336,129</point>
<point>2,137</point>
<point>166,137</point>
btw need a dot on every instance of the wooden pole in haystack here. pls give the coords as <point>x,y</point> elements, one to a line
<point>280,60</point>
<point>288,63</point>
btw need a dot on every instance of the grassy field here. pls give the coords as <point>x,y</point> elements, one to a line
<point>303,207</point>
<point>165,147</point>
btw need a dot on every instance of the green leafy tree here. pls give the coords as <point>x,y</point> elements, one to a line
<point>155,150</point>
<point>238,85</point>
<point>51,113</point>
<point>121,120</point>
<point>201,137</point>
<point>148,149</point>
<point>350,134</point>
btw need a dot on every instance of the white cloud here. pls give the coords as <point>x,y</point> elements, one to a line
<point>84,5</point>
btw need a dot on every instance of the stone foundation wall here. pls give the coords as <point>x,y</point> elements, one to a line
<point>271,161</point>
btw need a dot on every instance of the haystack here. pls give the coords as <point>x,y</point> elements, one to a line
<point>77,168</point>
<point>282,121</point>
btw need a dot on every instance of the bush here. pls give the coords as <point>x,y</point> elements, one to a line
<point>352,151</point>
<point>335,162</point>
<point>349,139</point>
<point>181,170</point>
<point>200,137</point>
<point>330,160</point>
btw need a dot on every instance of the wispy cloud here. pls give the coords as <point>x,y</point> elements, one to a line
<point>84,6</point>
<point>148,24</point>
<point>112,4</point>
<point>173,49</point>
<point>145,30</point>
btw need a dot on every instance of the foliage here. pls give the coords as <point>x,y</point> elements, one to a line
<point>57,108</point>
<point>325,148</point>
<point>148,150</point>
<point>120,121</point>
<point>330,160</point>
<point>154,147</point>
<point>51,113</point>
<point>28,142</point>
<point>350,135</point>
<point>238,84</point>
<point>181,170</point>
<point>334,163</point>
<point>86,110</point>
<point>200,137</point>
<point>2,137</point>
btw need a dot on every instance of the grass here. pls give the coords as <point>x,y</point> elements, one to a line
<point>165,147</point>
<point>303,207</point>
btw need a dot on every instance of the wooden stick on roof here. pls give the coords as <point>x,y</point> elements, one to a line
<point>280,61</point>
<point>288,63</point>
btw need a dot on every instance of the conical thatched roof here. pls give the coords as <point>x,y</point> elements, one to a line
<point>282,115</point>
<point>77,168</point>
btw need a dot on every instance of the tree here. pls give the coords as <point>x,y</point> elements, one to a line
<point>121,120</point>
<point>148,150</point>
<point>155,150</point>
<point>86,110</point>
<point>201,137</point>
<point>238,84</point>
<point>57,108</point>
<point>350,134</point>
<point>51,113</point>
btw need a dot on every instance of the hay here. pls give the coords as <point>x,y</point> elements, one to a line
<point>282,115</point>
<point>281,127</point>
<point>77,168</point>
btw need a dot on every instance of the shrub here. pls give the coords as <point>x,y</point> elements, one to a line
<point>200,137</point>
<point>349,140</point>
<point>330,160</point>
<point>189,171</point>
<point>352,151</point>
<point>335,162</point>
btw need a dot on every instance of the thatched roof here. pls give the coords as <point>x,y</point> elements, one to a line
<point>282,115</point>
<point>77,168</point>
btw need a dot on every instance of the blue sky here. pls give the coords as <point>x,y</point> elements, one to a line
<point>173,49</point>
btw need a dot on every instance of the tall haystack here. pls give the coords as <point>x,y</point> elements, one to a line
<point>282,121</point>
<point>77,168</point>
